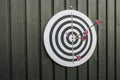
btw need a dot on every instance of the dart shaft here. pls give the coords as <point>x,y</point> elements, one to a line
<point>72,37</point>
<point>78,38</point>
<point>92,25</point>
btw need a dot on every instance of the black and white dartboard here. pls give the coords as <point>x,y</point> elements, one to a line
<point>68,38</point>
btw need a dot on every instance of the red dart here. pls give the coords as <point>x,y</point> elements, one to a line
<point>97,22</point>
<point>83,38</point>
<point>78,58</point>
<point>85,32</point>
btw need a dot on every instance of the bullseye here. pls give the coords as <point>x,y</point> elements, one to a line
<point>72,38</point>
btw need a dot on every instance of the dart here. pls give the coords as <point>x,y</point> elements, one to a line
<point>97,22</point>
<point>78,58</point>
<point>85,32</point>
<point>83,38</point>
<point>72,37</point>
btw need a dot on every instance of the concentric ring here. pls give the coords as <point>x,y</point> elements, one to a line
<point>56,37</point>
<point>56,46</point>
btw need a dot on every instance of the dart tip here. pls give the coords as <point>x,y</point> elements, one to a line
<point>83,38</point>
<point>85,32</point>
<point>97,22</point>
<point>78,58</point>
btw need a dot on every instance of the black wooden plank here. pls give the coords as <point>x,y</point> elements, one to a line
<point>47,65</point>
<point>71,72</point>
<point>117,40</point>
<point>4,41</point>
<point>18,39</point>
<point>59,70</point>
<point>102,40</point>
<point>71,3</point>
<point>58,6</point>
<point>82,6</point>
<point>110,41</point>
<point>92,13</point>
<point>82,69</point>
<point>33,30</point>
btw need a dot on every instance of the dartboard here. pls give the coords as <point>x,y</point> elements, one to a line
<point>69,38</point>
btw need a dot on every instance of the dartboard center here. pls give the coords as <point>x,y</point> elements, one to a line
<point>72,38</point>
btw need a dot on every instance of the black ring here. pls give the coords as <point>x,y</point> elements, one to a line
<point>67,38</point>
<point>50,37</point>
<point>57,43</point>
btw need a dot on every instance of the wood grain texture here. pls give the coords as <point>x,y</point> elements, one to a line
<point>92,13</point>
<point>82,70</point>
<point>47,66</point>
<point>117,40</point>
<point>22,52</point>
<point>71,3</point>
<point>110,40</point>
<point>102,40</point>
<point>18,37</point>
<point>4,41</point>
<point>33,40</point>
<point>60,71</point>
<point>71,72</point>
<point>82,6</point>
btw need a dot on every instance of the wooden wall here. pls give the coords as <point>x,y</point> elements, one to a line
<point>23,57</point>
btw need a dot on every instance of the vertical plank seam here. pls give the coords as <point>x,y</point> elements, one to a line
<point>106,39</point>
<point>52,7</point>
<point>87,11</point>
<point>10,41</point>
<point>97,40</point>
<point>77,75</point>
<point>106,65</point>
<point>115,34</point>
<point>39,42</point>
<point>66,76</point>
<point>77,72</point>
<point>65,4</point>
<point>76,4</point>
<point>26,56</point>
<point>53,64</point>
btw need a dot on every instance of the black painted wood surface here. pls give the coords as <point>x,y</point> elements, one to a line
<point>22,54</point>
